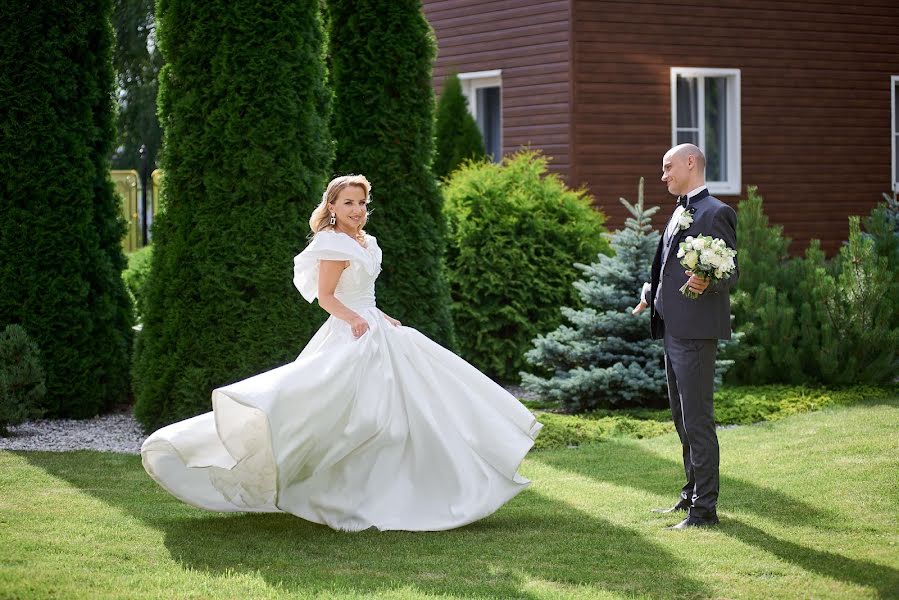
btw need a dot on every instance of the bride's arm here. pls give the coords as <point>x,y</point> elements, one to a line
<point>329,272</point>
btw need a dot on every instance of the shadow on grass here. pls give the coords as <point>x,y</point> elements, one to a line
<point>531,538</point>
<point>828,564</point>
<point>629,464</point>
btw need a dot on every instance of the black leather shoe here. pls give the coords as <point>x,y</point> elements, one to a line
<point>696,522</point>
<point>683,505</point>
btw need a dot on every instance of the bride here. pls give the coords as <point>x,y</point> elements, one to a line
<point>373,425</point>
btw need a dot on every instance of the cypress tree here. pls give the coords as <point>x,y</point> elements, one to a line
<point>381,53</point>
<point>60,231</point>
<point>244,107</point>
<point>458,138</point>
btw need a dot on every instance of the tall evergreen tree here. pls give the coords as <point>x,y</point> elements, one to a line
<point>244,108</point>
<point>137,62</point>
<point>60,231</point>
<point>458,138</point>
<point>381,55</point>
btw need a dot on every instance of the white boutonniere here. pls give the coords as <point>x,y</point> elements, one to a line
<point>685,219</point>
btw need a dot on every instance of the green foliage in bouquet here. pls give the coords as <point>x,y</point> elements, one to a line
<point>244,106</point>
<point>381,54</point>
<point>61,257</point>
<point>22,386</point>
<point>515,234</point>
<point>457,135</point>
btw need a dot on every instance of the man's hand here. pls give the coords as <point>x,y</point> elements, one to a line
<point>639,308</point>
<point>697,283</point>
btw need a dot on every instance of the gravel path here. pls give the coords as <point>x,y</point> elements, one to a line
<point>107,433</point>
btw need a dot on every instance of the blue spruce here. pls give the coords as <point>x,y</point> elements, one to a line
<point>605,358</point>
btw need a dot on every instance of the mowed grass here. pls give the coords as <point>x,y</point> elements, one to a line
<point>809,508</point>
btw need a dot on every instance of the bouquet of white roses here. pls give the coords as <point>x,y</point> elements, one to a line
<point>707,258</point>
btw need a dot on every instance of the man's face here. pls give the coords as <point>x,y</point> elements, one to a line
<point>675,173</point>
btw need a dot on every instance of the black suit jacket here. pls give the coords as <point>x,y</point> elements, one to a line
<point>707,317</point>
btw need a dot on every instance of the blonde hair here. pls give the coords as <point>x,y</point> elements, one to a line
<point>321,216</point>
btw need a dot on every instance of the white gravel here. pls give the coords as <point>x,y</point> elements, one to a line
<point>107,433</point>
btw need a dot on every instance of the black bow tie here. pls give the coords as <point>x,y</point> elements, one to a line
<point>683,200</point>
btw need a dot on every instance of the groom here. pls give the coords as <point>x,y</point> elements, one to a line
<point>691,328</point>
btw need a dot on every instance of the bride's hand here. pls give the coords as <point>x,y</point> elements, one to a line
<point>359,326</point>
<point>392,321</point>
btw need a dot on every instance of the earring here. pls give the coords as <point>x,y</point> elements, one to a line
<point>332,220</point>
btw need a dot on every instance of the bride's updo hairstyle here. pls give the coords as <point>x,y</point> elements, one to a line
<point>321,216</point>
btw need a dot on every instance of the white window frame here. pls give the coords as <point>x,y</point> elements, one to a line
<point>734,145</point>
<point>471,83</point>
<point>894,131</point>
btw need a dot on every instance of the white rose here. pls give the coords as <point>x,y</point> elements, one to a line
<point>690,259</point>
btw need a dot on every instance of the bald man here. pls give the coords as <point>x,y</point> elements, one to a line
<point>691,329</point>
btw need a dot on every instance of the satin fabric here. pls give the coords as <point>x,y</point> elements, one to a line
<point>390,430</point>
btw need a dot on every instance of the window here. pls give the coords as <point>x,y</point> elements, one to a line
<point>705,110</point>
<point>894,86</point>
<point>484,93</point>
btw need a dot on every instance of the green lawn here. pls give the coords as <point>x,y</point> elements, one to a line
<point>809,509</point>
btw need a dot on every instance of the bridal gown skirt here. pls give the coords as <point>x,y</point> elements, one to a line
<point>390,430</point>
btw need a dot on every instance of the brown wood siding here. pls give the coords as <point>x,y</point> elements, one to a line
<point>529,40</point>
<point>815,95</point>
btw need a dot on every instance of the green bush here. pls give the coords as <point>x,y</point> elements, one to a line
<point>135,277</point>
<point>736,405</point>
<point>244,106</point>
<point>860,308</point>
<point>515,234</point>
<point>381,55</point>
<point>744,405</point>
<point>22,387</point>
<point>807,320</point>
<point>61,257</point>
<point>561,431</point>
<point>457,135</point>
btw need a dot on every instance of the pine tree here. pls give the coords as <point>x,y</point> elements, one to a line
<point>244,107</point>
<point>60,232</point>
<point>862,311</point>
<point>605,357</point>
<point>381,56</point>
<point>458,138</point>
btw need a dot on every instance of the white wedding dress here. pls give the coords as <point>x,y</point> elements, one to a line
<point>389,430</point>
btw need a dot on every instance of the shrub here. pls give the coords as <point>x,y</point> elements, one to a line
<point>457,136</point>
<point>60,225</point>
<point>244,107</point>
<point>381,54</point>
<point>561,431</point>
<point>743,405</point>
<point>515,234</point>
<point>135,277</point>
<point>736,405</point>
<point>861,311</point>
<point>22,387</point>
